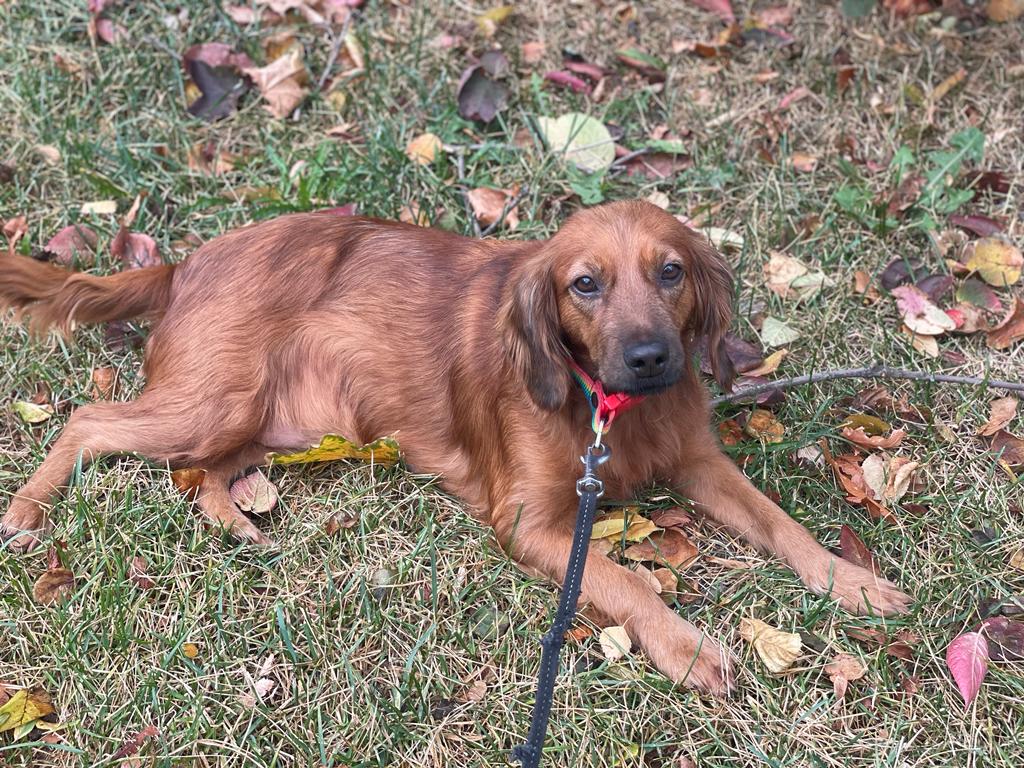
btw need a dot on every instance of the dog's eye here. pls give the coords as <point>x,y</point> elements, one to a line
<point>671,273</point>
<point>585,285</point>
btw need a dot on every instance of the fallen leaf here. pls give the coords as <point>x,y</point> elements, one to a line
<point>927,345</point>
<point>975,292</point>
<point>982,226</point>
<point>763,425</point>
<point>1009,447</point>
<point>721,8</point>
<point>613,524</point>
<point>873,442</point>
<point>615,642</point>
<point>568,80</point>
<point>241,14</point>
<point>1010,328</point>
<point>888,477</point>
<point>488,204</point>
<point>647,65</point>
<point>649,578</point>
<point>803,162</point>
<point>849,473</point>
<point>254,493</point>
<point>1004,10</point>
<point>282,82</point>
<point>842,670</point>
<point>74,244</point>
<point>479,97</point>
<point>775,333</point>
<point>998,261</point>
<point>188,481</point>
<point>579,139</point>
<point>919,314</point>
<point>670,547</point>
<point>723,238</point>
<point>1006,638</point>
<point>261,691</point>
<point>190,650</point>
<point>852,549</point>
<point>770,364</point>
<point>532,52</point>
<point>204,157</point>
<point>49,153</point>
<point>423,149</point>
<point>730,433</point>
<point>99,207</point>
<point>935,287</point>
<point>967,660</point>
<point>135,743</point>
<point>1002,412</point>
<point>217,88</point>
<point>1017,560</point>
<point>900,271</point>
<point>31,413</point>
<point>24,707</point>
<point>777,649</point>
<point>383,451</point>
<point>139,575</point>
<point>488,21</point>
<point>54,586</point>
<point>667,580</point>
<point>671,518</point>
<point>104,382</point>
<point>135,250</point>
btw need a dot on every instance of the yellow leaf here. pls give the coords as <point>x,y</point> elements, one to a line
<point>777,649</point>
<point>423,149</point>
<point>612,525</point>
<point>640,528</point>
<point>24,707</point>
<point>31,413</point>
<point>998,261</point>
<point>334,447</point>
<point>764,426</point>
<point>191,650</point>
<point>769,365</point>
<point>488,21</point>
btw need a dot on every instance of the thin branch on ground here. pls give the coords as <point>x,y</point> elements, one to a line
<point>332,57</point>
<point>509,205</point>
<point>872,372</point>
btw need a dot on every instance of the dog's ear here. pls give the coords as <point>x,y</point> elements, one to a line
<point>532,333</point>
<point>712,308</point>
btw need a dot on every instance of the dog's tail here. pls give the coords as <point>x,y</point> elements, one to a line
<point>61,298</point>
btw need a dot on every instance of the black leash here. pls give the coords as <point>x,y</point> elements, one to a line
<point>589,488</point>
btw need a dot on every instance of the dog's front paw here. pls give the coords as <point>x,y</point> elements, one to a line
<point>861,591</point>
<point>24,525</point>
<point>685,655</point>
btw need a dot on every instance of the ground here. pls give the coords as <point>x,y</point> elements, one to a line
<point>408,639</point>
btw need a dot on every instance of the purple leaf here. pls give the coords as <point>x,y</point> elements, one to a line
<point>900,271</point>
<point>1007,638</point>
<point>568,80</point>
<point>935,286</point>
<point>983,226</point>
<point>76,242</point>
<point>479,97</point>
<point>967,659</point>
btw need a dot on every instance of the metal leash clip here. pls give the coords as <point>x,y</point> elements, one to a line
<point>595,457</point>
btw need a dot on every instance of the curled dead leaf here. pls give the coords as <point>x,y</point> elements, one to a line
<point>777,649</point>
<point>1001,414</point>
<point>670,547</point>
<point>615,642</point>
<point>763,425</point>
<point>55,585</point>
<point>842,670</point>
<point>873,442</point>
<point>188,481</point>
<point>254,493</point>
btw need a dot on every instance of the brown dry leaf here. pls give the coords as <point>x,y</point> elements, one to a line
<point>640,528</point>
<point>615,642</point>
<point>667,580</point>
<point>1002,412</point>
<point>254,493</point>
<point>764,426</point>
<point>423,149</point>
<point>282,82</point>
<point>55,585</point>
<point>852,549</point>
<point>873,442</point>
<point>1004,10</point>
<point>49,153</point>
<point>780,272</point>
<point>104,382</point>
<point>610,525</point>
<point>15,229</point>
<point>842,670</point>
<point>1017,560</point>
<point>670,547</point>
<point>803,162</point>
<point>888,477</point>
<point>532,52</point>
<point>849,474</point>
<point>134,744</point>
<point>730,433</point>
<point>138,572</point>
<point>769,365</point>
<point>777,649</point>
<point>188,481</point>
<point>926,345</point>
<point>204,157</point>
<point>488,204</point>
<point>1010,328</point>
<point>676,517</point>
<point>863,287</point>
<point>411,214</point>
<point>1010,447</point>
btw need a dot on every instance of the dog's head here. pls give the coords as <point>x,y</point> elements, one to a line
<point>626,290</point>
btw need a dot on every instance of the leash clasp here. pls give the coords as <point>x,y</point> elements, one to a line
<point>595,456</point>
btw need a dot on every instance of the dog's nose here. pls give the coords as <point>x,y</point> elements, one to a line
<point>647,359</point>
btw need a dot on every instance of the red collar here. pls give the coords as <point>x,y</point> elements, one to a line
<point>603,407</point>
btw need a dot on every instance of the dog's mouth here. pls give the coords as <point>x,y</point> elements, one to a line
<point>645,386</point>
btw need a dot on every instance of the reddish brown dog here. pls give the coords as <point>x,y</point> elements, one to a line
<point>273,335</point>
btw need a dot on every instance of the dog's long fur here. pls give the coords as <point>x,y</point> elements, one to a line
<point>273,335</point>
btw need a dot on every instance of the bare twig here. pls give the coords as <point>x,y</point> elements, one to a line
<point>460,168</point>
<point>621,161</point>
<point>509,205</point>
<point>338,41</point>
<point>873,372</point>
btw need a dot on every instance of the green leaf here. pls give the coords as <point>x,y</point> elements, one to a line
<point>31,413</point>
<point>582,140</point>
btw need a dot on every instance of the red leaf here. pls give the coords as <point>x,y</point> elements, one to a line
<point>568,80</point>
<point>983,226</point>
<point>855,551</point>
<point>135,743</point>
<point>76,241</point>
<point>967,659</point>
<point>586,69</point>
<point>135,250</point>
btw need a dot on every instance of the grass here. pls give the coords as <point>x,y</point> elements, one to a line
<point>378,632</point>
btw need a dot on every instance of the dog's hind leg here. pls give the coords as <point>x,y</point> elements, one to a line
<point>152,426</point>
<point>214,498</point>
